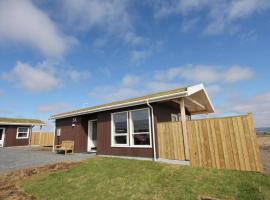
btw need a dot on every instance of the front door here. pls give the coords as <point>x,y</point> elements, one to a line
<point>92,135</point>
<point>2,137</point>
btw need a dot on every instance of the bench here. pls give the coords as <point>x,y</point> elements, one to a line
<point>66,146</point>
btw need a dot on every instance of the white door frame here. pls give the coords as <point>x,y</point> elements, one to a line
<point>3,137</point>
<point>89,136</point>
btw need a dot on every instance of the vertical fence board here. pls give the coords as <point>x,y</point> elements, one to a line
<point>42,138</point>
<point>170,140</point>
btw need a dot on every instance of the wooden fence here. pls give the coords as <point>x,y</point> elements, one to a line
<point>170,141</point>
<point>228,143</point>
<point>42,138</point>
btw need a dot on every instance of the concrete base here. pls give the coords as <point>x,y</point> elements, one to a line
<point>176,162</point>
<point>127,157</point>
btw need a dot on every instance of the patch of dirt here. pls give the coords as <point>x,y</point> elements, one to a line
<point>265,156</point>
<point>206,198</point>
<point>9,189</point>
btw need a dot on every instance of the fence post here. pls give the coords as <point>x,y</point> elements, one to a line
<point>184,127</point>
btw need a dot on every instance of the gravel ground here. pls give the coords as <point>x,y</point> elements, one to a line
<point>265,155</point>
<point>13,158</point>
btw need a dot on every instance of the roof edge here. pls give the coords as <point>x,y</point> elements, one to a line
<point>23,124</point>
<point>121,105</point>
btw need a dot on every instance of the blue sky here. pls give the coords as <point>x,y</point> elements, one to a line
<point>61,55</point>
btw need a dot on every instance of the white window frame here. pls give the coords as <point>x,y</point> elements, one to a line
<point>17,135</point>
<point>130,131</point>
<point>113,134</point>
<point>176,117</point>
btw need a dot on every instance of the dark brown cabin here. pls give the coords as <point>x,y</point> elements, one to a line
<point>17,132</point>
<point>129,127</point>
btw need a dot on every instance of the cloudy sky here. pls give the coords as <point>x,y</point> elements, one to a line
<point>61,55</point>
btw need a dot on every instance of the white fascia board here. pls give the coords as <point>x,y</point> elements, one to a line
<point>134,103</point>
<point>21,124</point>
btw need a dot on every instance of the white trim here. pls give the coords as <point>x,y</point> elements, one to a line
<point>119,134</point>
<point>130,132</point>
<point>3,137</point>
<point>88,138</point>
<point>123,105</point>
<point>21,124</point>
<point>17,135</point>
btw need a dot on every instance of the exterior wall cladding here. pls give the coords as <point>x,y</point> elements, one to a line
<point>10,136</point>
<point>78,133</point>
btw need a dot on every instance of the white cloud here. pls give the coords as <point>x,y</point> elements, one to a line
<point>259,105</point>
<point>52,108</point>
<point>115,93</point>
<point>221,15</point>
<point>34,79</point>
<point>130,80</point>
<point>44,76</point>
<point>189,24</point>
<point>2,93</point>
<point>206,74</point>
<point>237,73</point>
<point>76,76</point>
<point>134,39</point>
<point>22,22</point>
<point>113,17</point>
<point>213,89</point>
<point>138,56</point>
<point>244,8</point>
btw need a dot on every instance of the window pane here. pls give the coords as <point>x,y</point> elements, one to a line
<point>141,139</point>
<point>23,129</point>
<point>22,135</point>
<point>120,122</point>
<point>140,121</point>
<point>120,139</point>
<point>1,133</point>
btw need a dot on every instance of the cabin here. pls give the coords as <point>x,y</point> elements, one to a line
<point>17,131</point>
<point>160,126</point>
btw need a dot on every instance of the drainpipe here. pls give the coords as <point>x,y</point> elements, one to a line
<point>153,130</point>
<point>54,134</point>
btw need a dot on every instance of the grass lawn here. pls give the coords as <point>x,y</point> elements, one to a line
<point>113,178</point>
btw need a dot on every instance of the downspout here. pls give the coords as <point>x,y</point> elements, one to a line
<point>153,130</point>
<point>54,133</point>
<point>30,135</point>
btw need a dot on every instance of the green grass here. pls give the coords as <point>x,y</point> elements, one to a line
<point>112,178</point>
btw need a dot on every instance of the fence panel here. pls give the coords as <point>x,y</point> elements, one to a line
<point>170,140</point>
<point>228,143</point>
<point>42,138</point>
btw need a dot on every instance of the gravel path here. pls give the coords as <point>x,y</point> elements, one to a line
<point>13,158</point>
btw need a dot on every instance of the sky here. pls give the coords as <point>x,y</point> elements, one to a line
<point>56,56</point>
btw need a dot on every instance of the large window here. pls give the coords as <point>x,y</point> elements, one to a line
<point>22,132</point>
<point>131,129</point>
<point>120,129</point>
<point>140,129</point>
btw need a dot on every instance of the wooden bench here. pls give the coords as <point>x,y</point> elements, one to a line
<point>66,146</point>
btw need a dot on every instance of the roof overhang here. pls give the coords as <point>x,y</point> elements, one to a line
<point>196,93</point>
<point>198,101</point>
